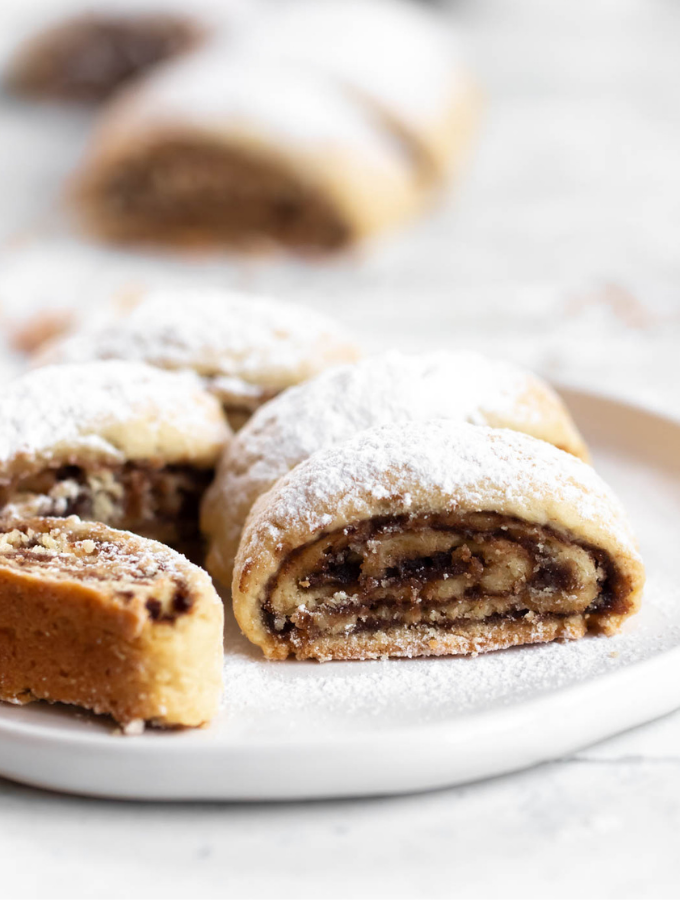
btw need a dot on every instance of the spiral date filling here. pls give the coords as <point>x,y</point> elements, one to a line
<point>437,572</point>
<point>160,502</point>
<point>57,553</point>
<point>184,190</point>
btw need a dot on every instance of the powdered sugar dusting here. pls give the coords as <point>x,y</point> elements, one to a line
<point>484,468</point>
<point>68,409</point>
<point>309,702</point>
<point>249,342</point>
<point>365,43</point>
<point>223,90</point>
<point>387,388</point>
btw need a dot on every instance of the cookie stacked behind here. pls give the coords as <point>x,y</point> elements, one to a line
<point>118,442</point>
<point>86,58</point>
<point>246,349</point>
<point>82,54</point>
<point>389,388</point>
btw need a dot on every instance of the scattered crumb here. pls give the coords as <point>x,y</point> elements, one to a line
<point>133,728</point>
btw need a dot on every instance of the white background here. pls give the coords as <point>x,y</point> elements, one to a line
<point>560,248</point>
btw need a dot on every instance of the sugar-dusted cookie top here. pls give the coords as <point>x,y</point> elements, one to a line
<point>391,387</point>
<point>110,412</point>
<point>426,538</point>
<point>416,467</point>
<point>399,56</point>
<point>246,347</point>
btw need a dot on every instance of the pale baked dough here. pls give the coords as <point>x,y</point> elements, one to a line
<point>391,387</point>
<point>401,58</point>
<point>424,539</point>
<point>120,442</point>
<point>245,348</point>
<point>108,621</point>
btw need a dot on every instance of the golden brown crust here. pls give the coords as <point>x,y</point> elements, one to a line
<point>135,633</point>
<point>466,639</point>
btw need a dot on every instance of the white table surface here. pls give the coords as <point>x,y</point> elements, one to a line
<point>560,249</point>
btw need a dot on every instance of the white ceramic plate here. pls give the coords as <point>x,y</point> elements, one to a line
<point>300,730</point>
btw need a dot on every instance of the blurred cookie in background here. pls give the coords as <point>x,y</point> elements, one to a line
<point>323,124</point>
<point>88,57</point>
<point>247,154</point>
<point>401,59</point>
<point>89,51</point>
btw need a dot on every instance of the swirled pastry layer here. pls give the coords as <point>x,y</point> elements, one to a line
<point>434,538</point>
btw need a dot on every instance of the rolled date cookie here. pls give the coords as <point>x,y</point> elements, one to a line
<point>246,349</point>
<point>119,442</point>
<point>108,621</point>
<point>391,387</point>
<point>424,539</point>
<point>248,153</point>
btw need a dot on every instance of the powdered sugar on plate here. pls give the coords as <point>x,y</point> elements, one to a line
<point>382,693</point>
<point>289,696</point>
